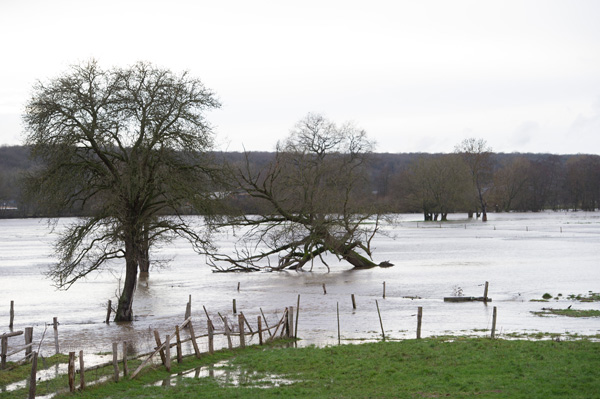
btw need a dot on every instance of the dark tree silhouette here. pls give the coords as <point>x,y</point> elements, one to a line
<point>129,145</point>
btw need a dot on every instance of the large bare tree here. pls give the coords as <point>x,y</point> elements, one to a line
<point>316,200</point>
<point>129,146</point>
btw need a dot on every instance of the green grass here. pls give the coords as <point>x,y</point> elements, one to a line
<point>14,373</point>
<point>569,312</point>
<point>427,368</point>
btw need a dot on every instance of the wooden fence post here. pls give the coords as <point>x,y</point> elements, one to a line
<point>324,289</point>
<point>12,314</point>
<point>33,376</point>
<point>419,319</point>
<point>125,369</point>
<point>338,324</point>
<point>211,348</point>
<point>353,302</point>
<point>485,293</point>
<point>493,335</point>
<point>4,352</point>
<point>108,310</point>
<point>266,324</point>
<point>247,324</point>
<point>55,324</point>
<point>291,322</point>
<point>384,290</point>
<point>260,337</point>
<point>81,372</point>
<point>228,333</point>
<point>28,340</point>
<point>297,314</point>
<point>158,345</point>
<point>380,322</point>
<point>241,324</point>
<point>178,338</point>
<point>71,371</point>
<point>168,352</point>
<point>188,309</point>
<point>194,343</point>
<point>116,360</point>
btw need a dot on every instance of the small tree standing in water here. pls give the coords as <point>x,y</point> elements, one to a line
<point>316,198</point>
<point>128,146</point>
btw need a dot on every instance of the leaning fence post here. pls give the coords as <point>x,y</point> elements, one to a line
<point>211,348</point>
<point>193,336</point>
<point>228,333</point>
<point>71,371</point>
<point>493,335</point>
<point>324,289</point>
<point>33,376</point>
<point>419,319</point>
<point>353,301</point>
<point>158,345</point>
<point>380,322</point>
<point>55,324</point>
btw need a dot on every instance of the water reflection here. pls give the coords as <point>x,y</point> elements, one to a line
<point>227,375</point>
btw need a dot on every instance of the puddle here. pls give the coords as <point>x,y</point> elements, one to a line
<point>227,375</point>
<point>48,373</point>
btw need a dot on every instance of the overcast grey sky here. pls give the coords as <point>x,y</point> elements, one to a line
<point>418,76</point>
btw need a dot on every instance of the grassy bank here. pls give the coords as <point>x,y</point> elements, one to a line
<point>428,368</point>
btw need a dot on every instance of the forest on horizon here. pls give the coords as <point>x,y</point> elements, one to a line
<point>404,182</point>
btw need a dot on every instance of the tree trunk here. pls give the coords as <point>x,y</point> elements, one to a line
<point>358,261</point>
<point>144,254</point>
<point>471,214</point>
<point>125,308</point>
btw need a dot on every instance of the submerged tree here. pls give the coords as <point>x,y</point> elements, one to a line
<point>129,146</point>
<point>439,185</point>
<point>316,200</point>
<point>477,156</point>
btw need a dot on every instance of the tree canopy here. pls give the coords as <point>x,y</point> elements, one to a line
<point>128,145</point>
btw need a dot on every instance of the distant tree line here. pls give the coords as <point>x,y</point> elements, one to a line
<point>432,184</point>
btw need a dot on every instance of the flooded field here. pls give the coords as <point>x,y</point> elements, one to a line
<point>522,256</point>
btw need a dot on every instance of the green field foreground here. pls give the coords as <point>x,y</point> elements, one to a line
<point>428,368</point>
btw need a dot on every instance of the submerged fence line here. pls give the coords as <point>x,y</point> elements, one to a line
<point>283,328</point>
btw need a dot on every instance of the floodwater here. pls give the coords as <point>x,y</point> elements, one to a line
<point>522,255</point>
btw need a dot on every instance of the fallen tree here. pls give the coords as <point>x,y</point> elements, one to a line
<point>315,199</point>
